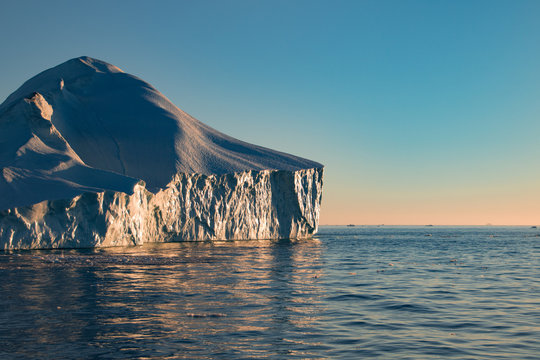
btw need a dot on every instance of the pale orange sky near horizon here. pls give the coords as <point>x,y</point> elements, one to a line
<point>388,210</point>
<point>513,203</point>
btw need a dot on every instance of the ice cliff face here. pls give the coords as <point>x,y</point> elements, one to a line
<point>91,156</point>
<point>266,204</point>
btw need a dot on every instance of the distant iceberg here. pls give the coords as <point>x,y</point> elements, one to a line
<point>91,156</point>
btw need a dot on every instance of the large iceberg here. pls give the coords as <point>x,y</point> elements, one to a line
<point>91,156</point>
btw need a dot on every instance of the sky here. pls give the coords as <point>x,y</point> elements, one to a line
<point>423,112</point>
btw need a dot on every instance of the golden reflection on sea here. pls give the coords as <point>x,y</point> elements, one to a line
<point>191,290</point>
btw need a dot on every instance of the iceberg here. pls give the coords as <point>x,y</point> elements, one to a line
<point>92,156</point>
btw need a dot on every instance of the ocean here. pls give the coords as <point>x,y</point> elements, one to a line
<point>361,292</point>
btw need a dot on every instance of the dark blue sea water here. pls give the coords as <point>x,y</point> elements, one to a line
<point>349,293</point>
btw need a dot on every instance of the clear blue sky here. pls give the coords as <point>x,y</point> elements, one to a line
<point>422,111</point>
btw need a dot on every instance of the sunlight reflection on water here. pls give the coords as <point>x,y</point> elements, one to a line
<point>349,293</point>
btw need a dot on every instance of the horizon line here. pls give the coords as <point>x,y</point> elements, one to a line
<point>429,224</point>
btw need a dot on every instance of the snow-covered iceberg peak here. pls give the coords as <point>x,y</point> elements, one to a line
<point>117,122</point>
<point>86,127</point>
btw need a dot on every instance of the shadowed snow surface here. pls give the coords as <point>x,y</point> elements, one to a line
<point>85,125</point>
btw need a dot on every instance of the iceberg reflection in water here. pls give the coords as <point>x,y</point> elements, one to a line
<point>178,299</point>
<point>349,293</point>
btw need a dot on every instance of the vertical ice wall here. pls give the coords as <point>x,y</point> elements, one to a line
<point>267,204</point>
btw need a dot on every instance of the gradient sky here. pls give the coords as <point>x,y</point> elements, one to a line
<point>423,112</point>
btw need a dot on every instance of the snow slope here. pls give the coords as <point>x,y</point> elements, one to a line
<point>39,164</point>
<point>116,122</point>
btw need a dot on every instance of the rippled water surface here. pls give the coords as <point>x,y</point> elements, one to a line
<point>350,293</point>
